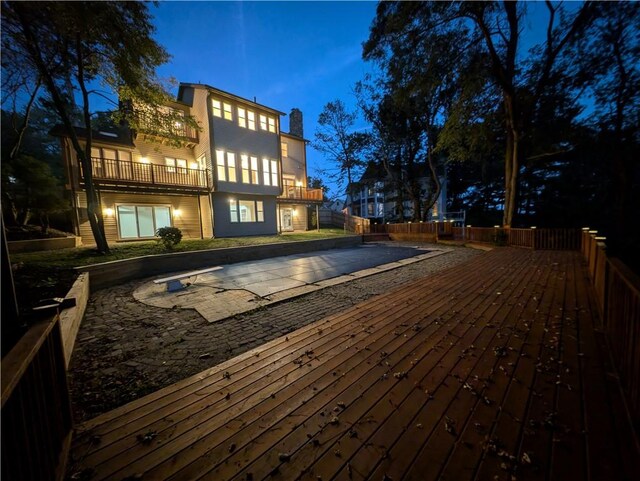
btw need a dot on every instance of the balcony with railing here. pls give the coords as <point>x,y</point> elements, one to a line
<point>126,173</point>
<point>165,127</point>
<point>298,193</point>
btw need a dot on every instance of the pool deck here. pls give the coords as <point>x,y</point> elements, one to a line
<point>493,369</point>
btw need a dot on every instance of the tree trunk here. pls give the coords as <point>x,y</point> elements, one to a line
<point>434,194</point>
<point>511,163</point>
<point>44,223</point>
<point>94,209</point>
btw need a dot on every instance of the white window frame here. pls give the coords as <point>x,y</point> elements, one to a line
<point>263,122</point>
<point>227,111</point>
<point>266,173</point>
<point>235,211</point>
<point>244,166</point>
<point>155,227</point>
<point>251,118</point>
<point>272,124</point>
<point>274,173</point>
<point>242,117</point>
<point>255,176</point>
<point>220,166</point>
<point>217,107</point>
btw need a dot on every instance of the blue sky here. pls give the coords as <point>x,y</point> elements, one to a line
<point>286,54</point>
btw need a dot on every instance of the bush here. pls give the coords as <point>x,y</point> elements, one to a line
<point>169,236</point>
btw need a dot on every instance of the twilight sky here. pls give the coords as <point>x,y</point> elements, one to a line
<point>286,54</point>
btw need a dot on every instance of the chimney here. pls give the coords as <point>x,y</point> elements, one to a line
<point>295,123</point>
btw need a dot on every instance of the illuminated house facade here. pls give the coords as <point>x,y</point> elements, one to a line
<point>229,179</point>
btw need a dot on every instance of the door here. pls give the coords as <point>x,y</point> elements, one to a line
<point>286,220</point>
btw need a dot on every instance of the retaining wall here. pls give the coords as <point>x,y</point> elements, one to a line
<point>35,245</point>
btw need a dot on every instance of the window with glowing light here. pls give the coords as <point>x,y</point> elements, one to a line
<point>284,147</point>
<point>242,117</point>
<point>244,165</point>
<point>142,221</point>
<point>246,210</point>
<point>217,108</point>
<point>228,114</point>
<point>254,170</point>
<point>263,122</point>
<point>272,125</point>
<point>251,117</point>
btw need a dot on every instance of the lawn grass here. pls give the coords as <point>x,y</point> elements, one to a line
<point>82,256</point>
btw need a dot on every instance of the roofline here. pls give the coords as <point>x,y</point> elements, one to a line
<point>294,136</point>
<point>230,96</point>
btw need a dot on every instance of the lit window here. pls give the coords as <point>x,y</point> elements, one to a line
<point>242,117</point>
<point>217,108</point>
<point>285,149</point>
<point>247,210</point>
<point>260,209</point>
<point>227,111</point>
<point>233,210</point>
<point>252,119</point>
<point>272,125</point>
<point>172,163</point>
<point>231,166</point>
<point>142,221</point>
<point>274,173</point>
<point>254,170</point>
<point>222,174</point>
<point>265,172</point>
<point>263,122</point>
<point>244,164</point>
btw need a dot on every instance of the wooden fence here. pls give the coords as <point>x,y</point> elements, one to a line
<point>617,291</point>
<point>36,410</point>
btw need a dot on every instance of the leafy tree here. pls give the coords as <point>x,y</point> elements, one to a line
<point>336,138</point>
<point>411,100</point>
<point>318,183</point>
<point>31,170</point>
<point>497,27</point>
<point>609,72</point>
<point>72,46</point>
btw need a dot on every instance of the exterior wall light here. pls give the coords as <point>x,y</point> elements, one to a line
<point>108,212</point>
<point>176,213</point>
<point>144,160</point>
<point>294,212</point>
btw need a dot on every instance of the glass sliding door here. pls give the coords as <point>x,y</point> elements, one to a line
<point>142,221</point>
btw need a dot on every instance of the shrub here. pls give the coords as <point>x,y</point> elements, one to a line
<point>169,236</point>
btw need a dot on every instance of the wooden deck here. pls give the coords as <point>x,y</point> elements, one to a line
<point>490,370</point>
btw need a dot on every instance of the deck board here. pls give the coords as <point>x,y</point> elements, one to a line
<point>489,370</point>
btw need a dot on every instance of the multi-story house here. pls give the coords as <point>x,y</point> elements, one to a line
<point>230,178</point>
<point>374,196</point>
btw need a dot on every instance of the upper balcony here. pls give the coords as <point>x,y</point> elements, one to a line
<point>295,193</point>
<point>165,126</point>
<point>123,174</point>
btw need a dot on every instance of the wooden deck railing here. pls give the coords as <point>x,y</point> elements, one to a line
<point>36,410</point>
<point>617,291</point>
<point>151,174</point>
<point>301,193</point>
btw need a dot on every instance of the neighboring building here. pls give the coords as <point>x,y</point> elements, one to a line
<point>226,180</point>
<point>376,198</point>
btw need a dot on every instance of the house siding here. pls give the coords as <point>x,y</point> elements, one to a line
<point>223,227</point>
<point>188,221</point>
<point>295,161</point>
